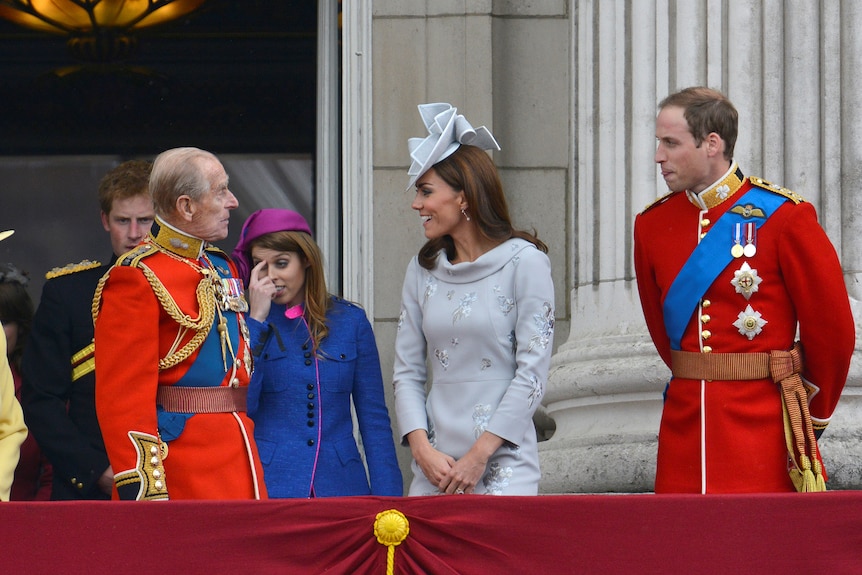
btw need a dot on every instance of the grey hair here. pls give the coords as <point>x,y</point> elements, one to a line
<point>177,172</point>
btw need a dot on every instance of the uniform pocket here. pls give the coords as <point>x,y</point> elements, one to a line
<point>265,449</point>
<point>338,369</point>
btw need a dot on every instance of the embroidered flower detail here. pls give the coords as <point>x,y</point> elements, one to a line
<point>722,191</point>
<point>449,294</point>
<point>749,322</point>
<point>497,479</point>
<point>430,286</point>
<point>454,342</point>
<point>544,327</point>
<point>746,280</point>
<point>486,363</point>
<point>178,244</point>
<point>401,317</point>
<point>432,434</point>
<point>516,260</point>
<point>481,417</point>
<point>506,303</point>
<point>464,307</point>
<point>443,357</point>
<point>536,391</point>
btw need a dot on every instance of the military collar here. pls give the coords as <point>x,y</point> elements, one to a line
<point>725,187</point>
<point>169,238</point>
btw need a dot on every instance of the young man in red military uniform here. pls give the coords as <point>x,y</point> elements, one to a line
<point>172,358</point>
<point>728,268</point>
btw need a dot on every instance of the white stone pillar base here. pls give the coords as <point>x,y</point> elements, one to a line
<point>604,396</point>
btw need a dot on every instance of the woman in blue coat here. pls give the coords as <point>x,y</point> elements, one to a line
<point>313,352</point>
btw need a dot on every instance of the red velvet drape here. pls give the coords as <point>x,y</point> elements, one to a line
<point>608,534</point>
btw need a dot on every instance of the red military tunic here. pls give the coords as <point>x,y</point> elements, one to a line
<point>158,317</point>
<point>728,436</point>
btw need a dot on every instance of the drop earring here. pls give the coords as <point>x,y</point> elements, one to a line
<point>465,214</point>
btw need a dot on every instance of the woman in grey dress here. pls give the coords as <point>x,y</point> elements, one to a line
<point>477,303</point>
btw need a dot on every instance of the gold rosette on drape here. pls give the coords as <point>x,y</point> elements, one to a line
<point>391,528</point>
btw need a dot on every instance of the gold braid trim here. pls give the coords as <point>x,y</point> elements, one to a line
<point>205,293</point>
<point>206,303</point>
<point>97,297</point>
<point>149,474</point>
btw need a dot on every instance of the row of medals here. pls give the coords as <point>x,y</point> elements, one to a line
<point>749,322</point>
<point>744,232</point>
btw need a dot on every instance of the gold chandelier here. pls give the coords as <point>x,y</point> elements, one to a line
<point>97,30</point>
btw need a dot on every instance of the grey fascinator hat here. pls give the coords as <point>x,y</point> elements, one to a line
<point>447,130</point>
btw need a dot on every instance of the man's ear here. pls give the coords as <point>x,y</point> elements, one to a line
<point>186,208</point>
<point>106,223</point>
<point>714,144</point>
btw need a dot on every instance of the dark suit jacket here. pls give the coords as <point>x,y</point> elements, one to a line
<point>61,413</point>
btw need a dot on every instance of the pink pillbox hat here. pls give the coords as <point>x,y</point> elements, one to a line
<point>260,223</point>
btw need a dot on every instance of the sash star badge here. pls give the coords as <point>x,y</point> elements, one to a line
<point>749,322</point>
<point>746,280</point>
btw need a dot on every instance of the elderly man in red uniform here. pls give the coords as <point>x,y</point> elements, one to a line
<point>172,358</point>
<point>729,269</point>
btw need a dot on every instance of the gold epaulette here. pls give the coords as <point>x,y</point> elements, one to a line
<point>133,257</point>
<point>72,268</point>
<point>658,201</point>
<point>775,188</point>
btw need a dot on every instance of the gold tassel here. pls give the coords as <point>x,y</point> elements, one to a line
<point>809,485</point>
<point>799,437</point>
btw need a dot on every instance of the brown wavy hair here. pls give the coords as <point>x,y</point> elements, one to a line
<point>316,296</point>
<point>471,170</point>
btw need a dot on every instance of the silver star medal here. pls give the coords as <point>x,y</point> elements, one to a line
<point>746,281</point>
<point>749,322</point>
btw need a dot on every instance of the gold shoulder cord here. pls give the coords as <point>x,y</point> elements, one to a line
<point>202,325</point>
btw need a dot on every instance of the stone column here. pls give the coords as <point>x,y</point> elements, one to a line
<point>795,83</point>
<point>842,442</point>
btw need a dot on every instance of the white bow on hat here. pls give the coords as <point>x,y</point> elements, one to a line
<point>447,131</point>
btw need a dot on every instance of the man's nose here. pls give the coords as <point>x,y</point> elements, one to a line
<point>232,202</point>
<point>136,230</point>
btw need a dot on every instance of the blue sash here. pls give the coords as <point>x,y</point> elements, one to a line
<point>206,371</point>
<point>710,257</point>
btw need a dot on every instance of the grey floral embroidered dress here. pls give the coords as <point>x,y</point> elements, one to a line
<point>486,328</point>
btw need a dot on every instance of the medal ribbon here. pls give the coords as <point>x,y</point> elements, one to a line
<point>707,261</point>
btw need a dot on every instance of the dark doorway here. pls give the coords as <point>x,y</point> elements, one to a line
<point>235,77</point>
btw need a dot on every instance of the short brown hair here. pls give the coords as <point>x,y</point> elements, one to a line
<point>706,111</point>
<point>127,180</point>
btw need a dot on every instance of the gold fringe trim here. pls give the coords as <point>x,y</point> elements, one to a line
<point>71,268</point>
